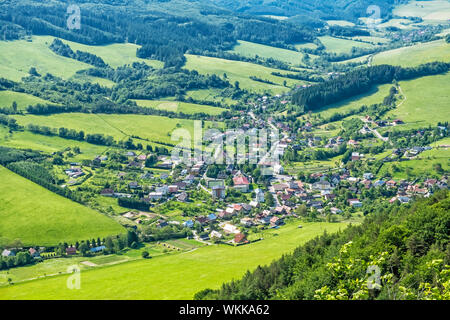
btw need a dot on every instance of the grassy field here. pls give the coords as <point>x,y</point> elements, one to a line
<point>240,71</point>
<point>338,46</point>
<point>414,55</point>
<point>176,106</point>
<point>210,95</point>
<point>423,165</point>
<point>428,10</point>
<point>37,216</point>
<point>250,49</point>
<point>427,101</point>
<point>18,56</point>
<point>23,100</point>
<point>177,276</point>
<point>342,23</point>
<point>376,95</point>
<point>154,128</point>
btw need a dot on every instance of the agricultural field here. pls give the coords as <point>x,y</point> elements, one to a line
<point>241,71</point>
<point>340,46</point>
<point>213,95</point>
<point>23,100</point>
<point>122,126</point>
<point>415,55</point>
<point>427,10</point>
<point>176,106</point>
<point>250,49</point>
<point>37,216</point>
<point>162,278</point>
<point>341,23</point>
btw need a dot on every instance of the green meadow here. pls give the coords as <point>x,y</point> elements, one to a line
<point>339,46</point>
<point>162,278</point>
<point>20,55</point>
<point>23,100</point>
<point>341,23</point>
<point>415,55</point>
<point>119,126</point>
<point>176,106</point>
<point>37,216</point>
<point>427,101</point>
<point>240,71</point>
<point>250,49</point>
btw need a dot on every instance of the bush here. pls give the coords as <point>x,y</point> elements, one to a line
<point>145,254</point>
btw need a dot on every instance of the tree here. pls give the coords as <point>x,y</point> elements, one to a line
<point>83,248</point>
<point>268,199</point>
<point>145,254</point>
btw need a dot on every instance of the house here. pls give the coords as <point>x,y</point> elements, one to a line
<point>240,238</point>
<point>155,195</point>
<point>368,175</point>
<point>107,192</point>
<point>322,185</point>
<point>215,234</point>
<point>355,203</point>
<point>188,224</point>
<point>34,253</point>
<point>218,192</point>
<point>173,188</point>
<point>212,217</point>
<point>335,210</point>
<point>204,237</point>
<point>202,220</point>
<point>71,251</point>
<point>229,228</point>
<point>278,169</point>
<point>189,179</point>
<point>134,185</point>
<point>246,222</point>
<point>275,221</point>
<point>183,197</point>
<point>356,156</point>
<point>97,249</point>
<point>163,190</point>
<point>241,183</point>
<point>391,184</point>
<point>254,204</point>
<point>264,220</point>
<point>259,195</point>
<point>8,253</point>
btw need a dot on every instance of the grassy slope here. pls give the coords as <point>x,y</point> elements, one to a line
<point>240,71</point>
<point>427,101</point>
<point>415,55</point>
<point>172,277</point>
<point>175,106</point>
<point>40,217</point>
<point>18,56</point>
<point>341,45</point>
<point>154,128</point>
<point>428,10</point>
<point>23,100</point>
<point>250,49</point>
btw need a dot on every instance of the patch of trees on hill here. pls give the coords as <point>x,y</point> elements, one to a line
<point>408,244</point>
<point>360,81</point>
<point>64,50</point>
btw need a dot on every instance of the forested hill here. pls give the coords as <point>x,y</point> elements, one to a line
<point>320,9</point>
<point>408,245</point>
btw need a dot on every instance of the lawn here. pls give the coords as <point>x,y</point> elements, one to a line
<point>184,107</point>
<point>240,71</point>
<point>154,128</point>
<point>412,56</point>
<point>250,49</point>
<point>37,216</point>
<point>339,46</point>
<point>176,276</point>
<point>23,100</point>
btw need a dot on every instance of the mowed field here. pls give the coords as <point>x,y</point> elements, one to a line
<point>177,276</point>
<point>23,100</point>
<point>339,46</point>
<point>37,216</point>
<point>250,49</point>
<point>176,106</point>
<point>415,55</point>
<point>119,126</point>
<point>240,71</point>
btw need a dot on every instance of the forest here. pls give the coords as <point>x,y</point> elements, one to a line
<point>408,247</point>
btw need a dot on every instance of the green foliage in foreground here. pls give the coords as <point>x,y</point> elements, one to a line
<point>409,246</point>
